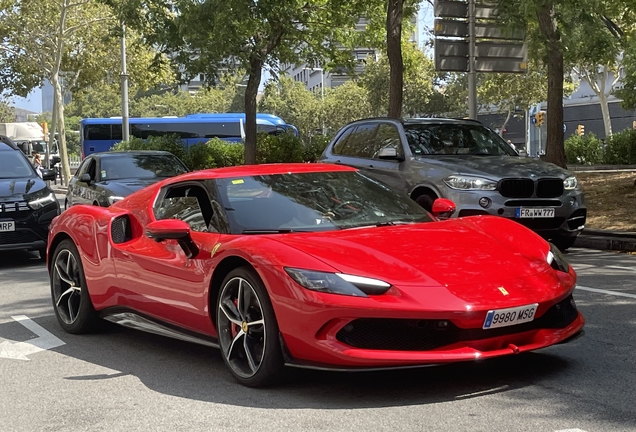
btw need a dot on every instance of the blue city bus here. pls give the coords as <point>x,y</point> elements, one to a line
<point>100,134</point>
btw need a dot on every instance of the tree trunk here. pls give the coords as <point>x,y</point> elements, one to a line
<point>53,127</point>
<point>394,52</point>
<point>57,94</point>
<point>505,123</point>
<point>251,92</point>
<point>554,150</point>
<point>607,121</point>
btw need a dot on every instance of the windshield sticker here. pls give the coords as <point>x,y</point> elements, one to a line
<point>239,181</point>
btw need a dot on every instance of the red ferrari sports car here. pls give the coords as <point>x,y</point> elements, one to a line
<point>311,265</point>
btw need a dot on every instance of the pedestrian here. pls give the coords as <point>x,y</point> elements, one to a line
<point>37,164</point>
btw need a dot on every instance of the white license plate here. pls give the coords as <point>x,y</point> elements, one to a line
<point>511,316</point>
<point>535,212</point>
<point>7,226</point>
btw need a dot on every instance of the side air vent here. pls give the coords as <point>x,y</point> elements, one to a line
<point>120,229</point>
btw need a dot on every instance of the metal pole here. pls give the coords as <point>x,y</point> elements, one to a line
<point>472,78</point>
<point>322,95</point>
<point>124,88</point>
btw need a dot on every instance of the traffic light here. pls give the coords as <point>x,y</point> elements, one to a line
<point>539,118</point>
<point>580,130</point>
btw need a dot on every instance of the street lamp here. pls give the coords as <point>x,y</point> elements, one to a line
<point>322,89</point>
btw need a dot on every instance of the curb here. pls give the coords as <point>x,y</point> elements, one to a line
<point>606,240</point>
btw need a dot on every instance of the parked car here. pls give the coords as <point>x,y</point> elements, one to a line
<point>27,205</point>
<point>311,265</point>
<point>105,178</point>
<point>468,163</point>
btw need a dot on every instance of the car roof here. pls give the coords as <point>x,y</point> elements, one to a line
<point>131,153</point>
<point>426,120</point>
<point>261,169</point>
<point>7,144</point>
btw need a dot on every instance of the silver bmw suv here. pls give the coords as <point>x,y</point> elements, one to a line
<point>468,163</point>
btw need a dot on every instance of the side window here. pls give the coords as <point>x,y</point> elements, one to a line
<point>83,167</point>
<point>189,203</point>
<point>91,169</point>
<point>361,143</point>
<point>388,137</point>
<point>337,148</point>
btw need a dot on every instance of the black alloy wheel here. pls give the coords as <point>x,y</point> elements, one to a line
<point>71,301</point>
<point>248,331</point>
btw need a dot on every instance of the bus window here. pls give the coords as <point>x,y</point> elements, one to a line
<point>98,132</point>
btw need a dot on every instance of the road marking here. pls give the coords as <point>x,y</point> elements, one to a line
<point>570,430</point>
<point>20,350</point>
<point>601,291</point>
<point>622,268</point>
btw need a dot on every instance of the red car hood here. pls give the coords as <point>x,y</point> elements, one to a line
<point>452,252</point>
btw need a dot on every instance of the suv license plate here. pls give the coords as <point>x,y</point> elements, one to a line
<point>7,226</point>
<point>535,212</point>
<point>511,316</point>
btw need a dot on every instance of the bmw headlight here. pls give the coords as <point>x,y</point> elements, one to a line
<point>469,183</point>
<point>338,283</point>
<point>556,259</point>
<point>113,199</point>
<point>570,183</point>
<point>42,201</point>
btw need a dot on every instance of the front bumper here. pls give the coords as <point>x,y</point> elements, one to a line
<point>338,332</point>
<point>569,210</point>
<point>31,229</point>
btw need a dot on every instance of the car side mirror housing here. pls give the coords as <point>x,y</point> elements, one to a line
<point>173,229</point>
<point>86,178</point>
<point>443,208</point>
<point>389,153</point>
<point>48,174</point>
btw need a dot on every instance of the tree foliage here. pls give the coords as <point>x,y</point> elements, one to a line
<point>212,35</point>
<point>7,113</point>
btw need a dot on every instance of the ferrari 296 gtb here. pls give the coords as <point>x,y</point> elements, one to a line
<point>310,265</point>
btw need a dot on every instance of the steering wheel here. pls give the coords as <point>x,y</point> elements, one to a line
<point>349,208</point>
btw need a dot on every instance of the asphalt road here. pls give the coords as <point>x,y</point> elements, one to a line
<point>122,379</point>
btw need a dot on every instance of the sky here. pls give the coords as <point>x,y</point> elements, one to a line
<point>33,101</point>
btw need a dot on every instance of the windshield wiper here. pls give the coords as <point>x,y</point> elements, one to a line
<point>272,231</point>
<point>381,224</point>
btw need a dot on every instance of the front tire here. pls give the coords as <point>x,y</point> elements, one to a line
<point>71,301</point>
<point>248,331</point>
<point>426,201</point>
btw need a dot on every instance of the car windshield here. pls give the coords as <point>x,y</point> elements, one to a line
<point>13,165</point>
<point>319,201</point>
<point>455,139</point>
<point>140,166</point>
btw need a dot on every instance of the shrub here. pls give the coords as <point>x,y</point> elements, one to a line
<point>215,153</point>
<point>278,148</point>
<point>621,148</point>
<point>315,147</point>
<point>169,143</point>
<point>584,150</point>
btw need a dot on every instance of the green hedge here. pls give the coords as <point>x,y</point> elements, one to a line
<point>620,148</point>
<point>584,150</point>
<point>217,153</point>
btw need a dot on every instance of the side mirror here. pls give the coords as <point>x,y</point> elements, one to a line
<point>86,178</point>
<point>173,229</point>
<point>48,174</point>
<point>443,208</point>
<point>388,153</point>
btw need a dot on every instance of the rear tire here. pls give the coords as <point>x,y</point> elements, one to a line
<point>426,201</point>
<point>248,331</point>
<point>71,301</point>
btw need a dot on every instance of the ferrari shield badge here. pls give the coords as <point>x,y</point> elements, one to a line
<point>215,248</point>
<point>502,289</point>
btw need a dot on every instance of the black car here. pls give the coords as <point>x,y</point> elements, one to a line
<point>468,163</point>
<point>27,205</point>
<point>105,178</point>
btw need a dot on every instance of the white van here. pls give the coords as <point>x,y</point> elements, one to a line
<point>29,137</point>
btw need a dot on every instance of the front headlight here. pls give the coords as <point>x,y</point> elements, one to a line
<point>338,283</point>
<point>570,183</point>
<point>556,259</point>
<point>40,202</point>
<point>470,183</point>
<point>113,199</point>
